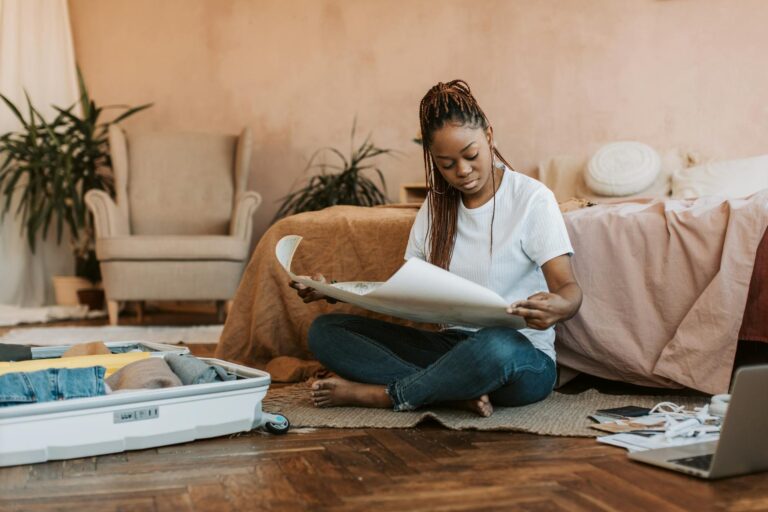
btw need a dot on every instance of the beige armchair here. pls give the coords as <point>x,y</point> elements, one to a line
<point>180,227</point>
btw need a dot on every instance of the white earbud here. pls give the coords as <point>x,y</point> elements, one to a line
<point>719,405</point>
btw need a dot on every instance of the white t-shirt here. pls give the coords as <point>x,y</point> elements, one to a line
<point>528,231</point>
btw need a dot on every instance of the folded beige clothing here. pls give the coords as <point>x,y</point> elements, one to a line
<point>87,349</point>
<point>150,373</point>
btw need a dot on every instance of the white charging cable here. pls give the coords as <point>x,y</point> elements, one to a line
<point>682,423</point>
<point>670,411</point>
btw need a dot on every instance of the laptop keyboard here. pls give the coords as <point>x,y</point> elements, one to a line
<point>701,462</point>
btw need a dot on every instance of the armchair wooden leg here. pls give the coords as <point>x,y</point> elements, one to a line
<point>140,311</point>
<point>113,308</point>
<point>221,313</point>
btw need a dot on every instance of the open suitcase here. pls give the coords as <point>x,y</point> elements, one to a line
<point>134,420</point>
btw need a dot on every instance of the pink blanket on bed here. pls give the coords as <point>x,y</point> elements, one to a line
<point>665,288</point>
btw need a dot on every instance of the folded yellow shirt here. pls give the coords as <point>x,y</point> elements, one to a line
<point>112,362</point>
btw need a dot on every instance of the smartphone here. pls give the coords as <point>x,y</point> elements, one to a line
<point>628,411</point>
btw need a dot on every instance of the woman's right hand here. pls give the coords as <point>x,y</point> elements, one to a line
<point>308,294</point>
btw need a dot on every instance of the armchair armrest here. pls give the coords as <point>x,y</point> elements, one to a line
<point>242,217</point>
<point>108,219</point>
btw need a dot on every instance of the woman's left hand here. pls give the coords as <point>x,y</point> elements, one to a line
<point>542,310</point>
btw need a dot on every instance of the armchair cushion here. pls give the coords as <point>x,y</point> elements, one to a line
<point>181,183</point>
<point>182,248</point>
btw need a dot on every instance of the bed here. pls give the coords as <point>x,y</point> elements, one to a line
<point>695,280</point>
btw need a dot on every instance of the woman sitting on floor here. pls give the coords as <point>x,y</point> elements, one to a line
<point>486,223</point>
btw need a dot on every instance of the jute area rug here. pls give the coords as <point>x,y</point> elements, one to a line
<point>51,336</point>
<point>559,415</point>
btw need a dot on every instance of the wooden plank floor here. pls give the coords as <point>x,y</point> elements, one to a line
<point>424,468</point>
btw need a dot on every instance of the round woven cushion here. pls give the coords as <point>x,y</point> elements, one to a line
<point>622,169</point>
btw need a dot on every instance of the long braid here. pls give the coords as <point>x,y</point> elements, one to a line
<point>444,103</point>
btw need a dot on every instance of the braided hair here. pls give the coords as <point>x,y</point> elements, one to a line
<point>443,104</point>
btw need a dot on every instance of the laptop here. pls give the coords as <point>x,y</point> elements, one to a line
<point>743,444</point>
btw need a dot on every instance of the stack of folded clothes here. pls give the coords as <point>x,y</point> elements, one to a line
<point>91,369</point>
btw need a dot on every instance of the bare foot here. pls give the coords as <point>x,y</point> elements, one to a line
<point>481,405</point>
<point>335,392</point>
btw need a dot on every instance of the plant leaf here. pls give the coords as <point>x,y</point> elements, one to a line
<point>131,111</point>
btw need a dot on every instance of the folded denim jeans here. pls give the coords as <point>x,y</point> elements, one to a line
<point>52,384</point>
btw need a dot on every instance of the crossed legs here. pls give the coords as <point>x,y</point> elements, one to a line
<point>387,365</point>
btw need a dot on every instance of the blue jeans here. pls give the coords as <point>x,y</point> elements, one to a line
<point>424,367</point>
<point>52,384</point>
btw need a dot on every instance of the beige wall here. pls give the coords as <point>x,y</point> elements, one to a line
<point>554,76</point>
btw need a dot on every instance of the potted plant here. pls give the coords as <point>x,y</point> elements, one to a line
<point>345,186</point>
<point>46,169</point>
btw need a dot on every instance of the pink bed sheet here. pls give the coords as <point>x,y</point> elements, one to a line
<point>665,287</point>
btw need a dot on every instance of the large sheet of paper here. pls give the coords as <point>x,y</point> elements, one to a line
<point>418,291</point>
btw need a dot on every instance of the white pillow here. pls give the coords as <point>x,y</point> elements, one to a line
<point>622,169</point>
<point>730,178</point>
<point>564,175</point>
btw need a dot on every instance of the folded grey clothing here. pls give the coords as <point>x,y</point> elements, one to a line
<point>192,370</point>
<point>10,352</point>
<point>150,373</point>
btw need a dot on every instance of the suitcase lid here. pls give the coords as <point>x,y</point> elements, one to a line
<point>116,347</point>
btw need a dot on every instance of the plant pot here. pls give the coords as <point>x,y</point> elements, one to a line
<point>92,297</point>
<point>66,287</point>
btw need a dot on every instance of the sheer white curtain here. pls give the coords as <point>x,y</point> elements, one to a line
<point>36,55</point>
